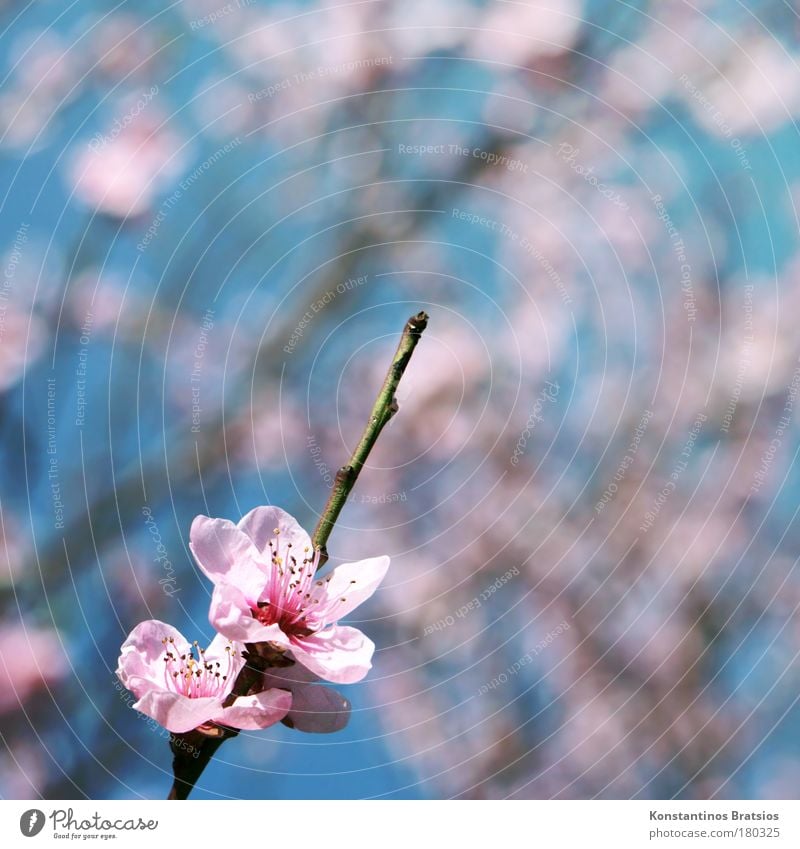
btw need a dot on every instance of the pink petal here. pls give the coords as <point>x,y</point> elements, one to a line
<point>178,713</point>
<point>315,708</point>
<point>229,654</point>
<point>141,664</point>
<point>260,525</point>
<point>257,711</point>
<point>340,654</point>
<point>225,553</point>
<point>230,614</point>
<point>349,585</point>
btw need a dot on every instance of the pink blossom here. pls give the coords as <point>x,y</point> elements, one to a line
<point>182,686</point>
<point>22,340</point>
<point>120,175</point>
<point>265,591</point>
<point>30,658</point>
<point>315,708</point>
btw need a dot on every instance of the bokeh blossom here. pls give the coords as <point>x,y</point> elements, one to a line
<point>30,659</point>
<point>120,174</point>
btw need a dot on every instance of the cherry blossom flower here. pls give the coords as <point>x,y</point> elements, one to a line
<point>182,686</point>
<point>266,591</point>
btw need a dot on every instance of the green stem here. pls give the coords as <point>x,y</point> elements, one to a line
<point>384,408</point>
<point>193,751</point>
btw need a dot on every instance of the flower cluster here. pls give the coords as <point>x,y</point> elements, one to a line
<point>267,605</point>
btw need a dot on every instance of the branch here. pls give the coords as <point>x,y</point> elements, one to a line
<point>193,750</point>
<point>384,408</point>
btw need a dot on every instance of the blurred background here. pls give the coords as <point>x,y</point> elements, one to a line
<point>215,220</point>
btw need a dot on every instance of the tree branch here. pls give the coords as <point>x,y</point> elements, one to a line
<point>382,411</point>
<point>193,750</point>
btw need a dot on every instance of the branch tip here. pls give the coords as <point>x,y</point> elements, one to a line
<point>383,409</point>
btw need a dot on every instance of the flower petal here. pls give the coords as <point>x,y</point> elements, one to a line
<point>257,711</point>
<point>175,712</point>
<point>349,585</point>
<point>315,708</point>
<point>231,615</point>
<point>141,664</point>
<point>229,654</point>
<point>260,525</point>
<point>340,654</point>
<point>226,553</point>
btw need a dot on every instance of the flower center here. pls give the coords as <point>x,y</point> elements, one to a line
<point>192,674</point>
<point>289,598</point>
